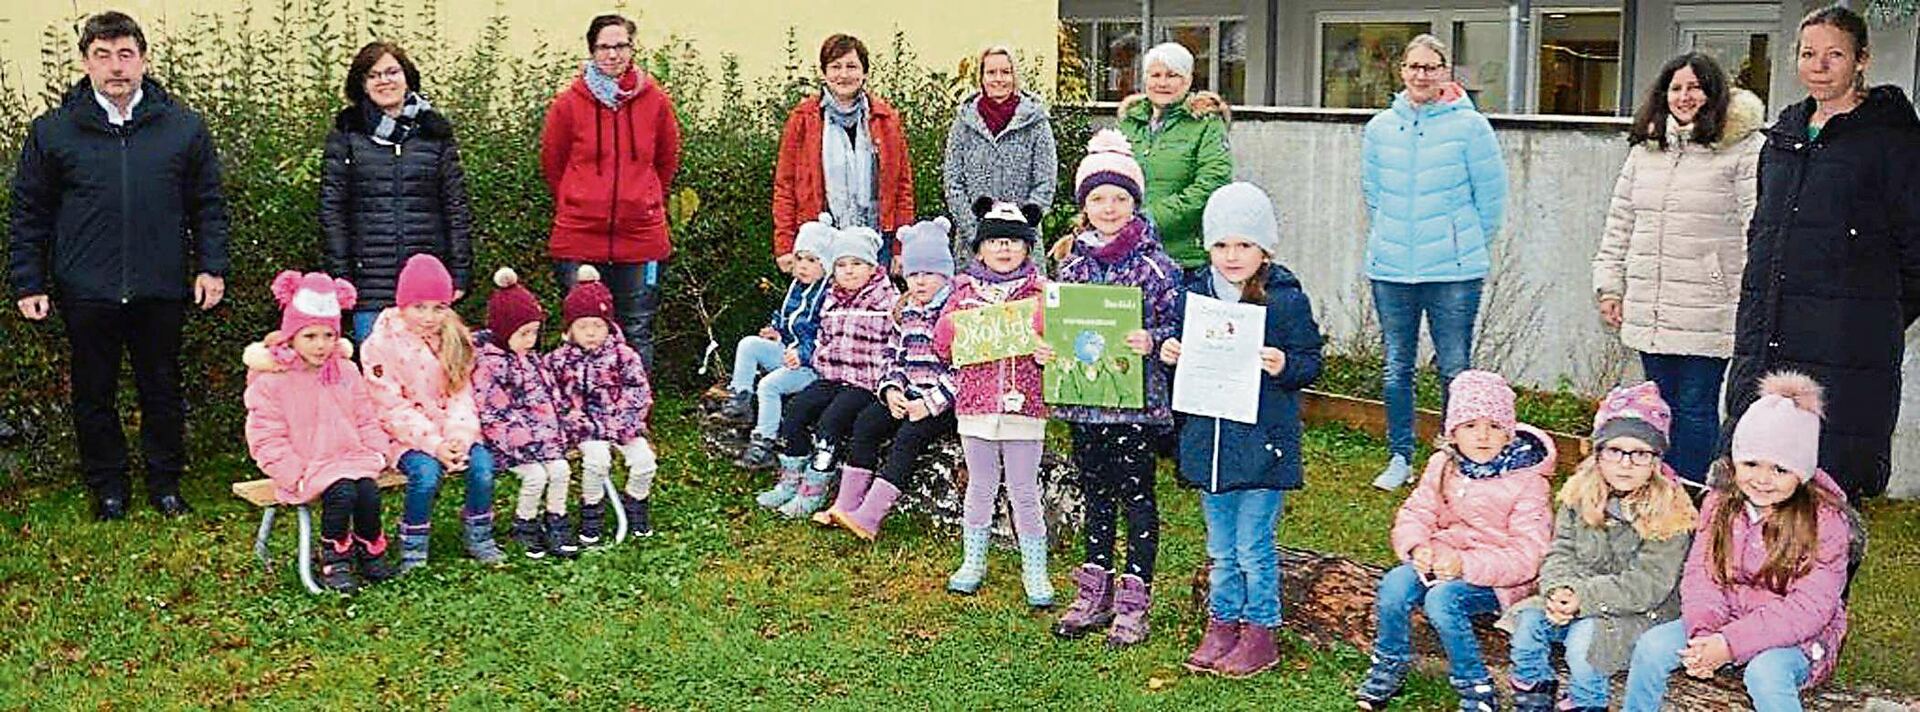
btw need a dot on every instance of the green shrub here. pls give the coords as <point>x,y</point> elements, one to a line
<point>270,98</point>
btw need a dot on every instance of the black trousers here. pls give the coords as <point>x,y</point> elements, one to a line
<point>351,504</point>
<point>910,440</point>
<point>824,411</point>
<point>1116,475</point>
<point>148,332</point>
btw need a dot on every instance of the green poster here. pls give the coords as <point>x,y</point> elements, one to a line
<point>1087,326</point>
<point>994,332</point>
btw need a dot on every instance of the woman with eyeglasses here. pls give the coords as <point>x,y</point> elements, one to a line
<point>390,184</point>
<point>1833,255</point>
<point>1435,186</point>
<point>610,150</point>
<point>1668,268</point>
<point>843,155</point>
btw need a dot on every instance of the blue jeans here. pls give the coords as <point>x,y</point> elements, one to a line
<point>636,298</point>
<point>754,355</point>
<point>1244,584</point>
<point>1773,677</point>
<point>1532,646</point>
<point>423,483</point>
<point>362,324</point>
<point>1449,308</point>
<point>1691,385</point>
<point>1450,607</point>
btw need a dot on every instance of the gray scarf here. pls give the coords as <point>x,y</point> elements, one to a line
<point>391,130</point>
<point>849,163</point>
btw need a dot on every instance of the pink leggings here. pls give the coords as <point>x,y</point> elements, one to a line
<point>1021,460</point>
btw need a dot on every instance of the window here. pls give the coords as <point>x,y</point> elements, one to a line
<point>1480,61</point>
<point>1360,61</point>
<point>1579,67</point>
<point>1110,48</point>
<point>1745,55</point>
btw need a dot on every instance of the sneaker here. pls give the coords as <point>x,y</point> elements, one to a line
<point>1397,473</point>
<point>1383,681</point>
<point>738,408</point>
<point>1477,695</point>
<point>336,567</point>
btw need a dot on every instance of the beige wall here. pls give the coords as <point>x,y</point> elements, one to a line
<point>941,32</point>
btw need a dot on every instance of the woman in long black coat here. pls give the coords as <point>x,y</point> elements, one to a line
<point>391,185</point>
<point>1833,252</point>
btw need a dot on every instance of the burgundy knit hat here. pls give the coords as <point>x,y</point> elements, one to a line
<point>511,306</point>
<point>589,297</point>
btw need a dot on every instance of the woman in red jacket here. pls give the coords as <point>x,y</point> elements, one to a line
<point>844,152</point>
<point>610,149</point>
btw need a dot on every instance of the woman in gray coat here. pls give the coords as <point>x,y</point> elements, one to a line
<point>1001,146</point>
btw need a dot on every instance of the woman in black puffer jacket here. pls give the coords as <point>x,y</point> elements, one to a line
<point>1833,253</point>
<point>391,185</point>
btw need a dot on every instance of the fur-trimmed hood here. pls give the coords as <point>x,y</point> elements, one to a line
<point>1746,113</point>
<point>1198,104</point>
<point>271,353</point>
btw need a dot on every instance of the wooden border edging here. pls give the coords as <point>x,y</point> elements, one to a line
<point>1320,407</point>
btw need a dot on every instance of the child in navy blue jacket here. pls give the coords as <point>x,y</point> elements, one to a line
<point>1243,470</point>
<point>783,349</point>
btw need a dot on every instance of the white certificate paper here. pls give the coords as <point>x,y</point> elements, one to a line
<point>1219,371</point>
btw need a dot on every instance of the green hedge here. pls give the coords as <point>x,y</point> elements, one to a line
<point>270,99</point>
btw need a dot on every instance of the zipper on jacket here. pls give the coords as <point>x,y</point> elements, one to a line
<point>1216,456</point>
<point>399,220</point>
<point>126,227</point>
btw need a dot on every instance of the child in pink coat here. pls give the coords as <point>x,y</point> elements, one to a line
<point>1470,538</point>
<point>419,363</point>
<point>314,429</point>
<point>1763,583</point>
<point>604,402</point>
<point>518,405</point>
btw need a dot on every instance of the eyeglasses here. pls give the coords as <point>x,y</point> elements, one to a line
<point>1637,458</point>
<point>393,74</point>
<point>1424,68</point>
<point>613,48</point>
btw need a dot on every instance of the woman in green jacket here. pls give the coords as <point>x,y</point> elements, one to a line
<point>1179,137</point>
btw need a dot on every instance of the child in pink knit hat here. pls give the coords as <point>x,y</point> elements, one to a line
<point>419,363</point>
<point>1620,537</point>
<point>315,430</point>
<point>1762,586</point>
<point>1470,539</point>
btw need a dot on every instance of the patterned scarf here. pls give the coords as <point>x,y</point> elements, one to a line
<point>849,164</point>
<point>1521,453</point>
<point>391,130</point>
<point>607,89</point>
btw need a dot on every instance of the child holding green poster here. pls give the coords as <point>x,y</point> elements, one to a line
<point>1113,447</point>
<point>1243,470</point>
<point>1002,419</point>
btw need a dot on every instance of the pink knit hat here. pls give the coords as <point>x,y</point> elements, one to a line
<point>1109,161</point>
<point>311,299</point>
<point>1783,426</point>
<point>423,279</point>
<point>1635,411</point>
<point>1479,394</point>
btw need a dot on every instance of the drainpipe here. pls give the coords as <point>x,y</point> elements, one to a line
<point>1519,18</point>
<point>1629,44</point>
<point>1146,42</point>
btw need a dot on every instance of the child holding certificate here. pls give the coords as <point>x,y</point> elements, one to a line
<point>1243,470</point>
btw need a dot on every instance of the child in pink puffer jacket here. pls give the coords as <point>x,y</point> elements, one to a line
<point>605,399</point>
<point>314,429</point>
<point>1470,538</point>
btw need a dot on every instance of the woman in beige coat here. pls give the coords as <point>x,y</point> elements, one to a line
<point>1668,271</point>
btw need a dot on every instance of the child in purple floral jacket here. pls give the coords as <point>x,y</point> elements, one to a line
<point>604,403</point>
<point>520,417</point>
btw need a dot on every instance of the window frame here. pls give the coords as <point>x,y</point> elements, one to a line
<point>1433,18</point>
<point>1534,42</point>
<point>1162,26</point>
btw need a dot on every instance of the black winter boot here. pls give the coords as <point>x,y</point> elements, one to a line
<point>593,523</point>
<point>532,541</point>
<point>336,566</point>
<point>560,537</point>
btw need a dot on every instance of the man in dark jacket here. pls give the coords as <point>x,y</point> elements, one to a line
<point>116,200</point>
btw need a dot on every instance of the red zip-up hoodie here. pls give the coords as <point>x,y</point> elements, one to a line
<point>610,171</point>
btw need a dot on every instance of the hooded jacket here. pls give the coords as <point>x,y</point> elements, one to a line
<point>1833,275</point>
<point>409,385</point>
<point>1676,237</point>
<point>1501,526</point>
<point>1435,187</point>
<point>380,204</point>
<point>307,434</point>
<point>1219,455</point>
<point>1185,158</point>
<point>610,171</point>
<point>604,393</point>
<point>518,405</point>
<point>108,213</point>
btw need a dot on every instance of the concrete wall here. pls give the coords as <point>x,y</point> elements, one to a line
<point>1538,323</point>
<point>941,33</point>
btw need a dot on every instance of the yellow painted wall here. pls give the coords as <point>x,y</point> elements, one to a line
<point>942,32</point>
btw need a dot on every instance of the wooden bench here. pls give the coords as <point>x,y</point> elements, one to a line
<point>259,493</point>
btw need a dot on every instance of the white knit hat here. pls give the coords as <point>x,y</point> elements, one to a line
<point>814,237</point>
<point>1241,210</point>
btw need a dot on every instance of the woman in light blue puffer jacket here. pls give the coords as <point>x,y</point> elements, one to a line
<point>1436,189</point>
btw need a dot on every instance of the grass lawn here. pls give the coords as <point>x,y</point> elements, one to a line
<point>727,607</point>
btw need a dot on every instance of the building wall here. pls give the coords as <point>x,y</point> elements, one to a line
<point>942,33</point>
<point>1537,322</point>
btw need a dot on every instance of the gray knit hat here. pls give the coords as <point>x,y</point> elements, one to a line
<point>1241,210</point>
